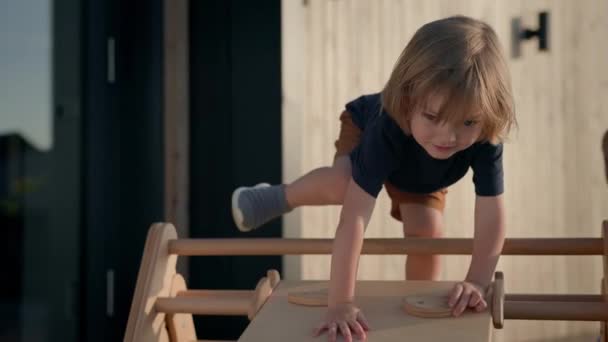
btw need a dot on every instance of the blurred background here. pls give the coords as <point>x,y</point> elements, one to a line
<point>117,114</point>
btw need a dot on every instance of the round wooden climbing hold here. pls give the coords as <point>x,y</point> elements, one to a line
<point>316,297</point>
<point>427,306</point>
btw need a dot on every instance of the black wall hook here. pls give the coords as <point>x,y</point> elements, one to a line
<point>519,34</point>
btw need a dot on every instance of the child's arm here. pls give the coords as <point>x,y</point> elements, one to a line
<point>487,246</point>
<point>489,238</point>
<point>356,213</point>
<point>343,316</point>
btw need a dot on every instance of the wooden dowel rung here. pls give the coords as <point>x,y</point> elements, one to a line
<point>217,293</point>
<point>379,246</point>
<point>587,298</point>
<point>204,305</point>
<point>556,311</point>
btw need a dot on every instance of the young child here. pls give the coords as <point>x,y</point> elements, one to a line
<point>446,107</point>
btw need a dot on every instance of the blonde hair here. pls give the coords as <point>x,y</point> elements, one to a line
<point>459,58</point>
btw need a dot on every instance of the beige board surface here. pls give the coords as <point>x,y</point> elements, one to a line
<point>381,302</point>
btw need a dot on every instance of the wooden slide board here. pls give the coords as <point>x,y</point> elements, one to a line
<point>381,302</point>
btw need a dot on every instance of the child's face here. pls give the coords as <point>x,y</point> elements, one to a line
<point>442,140</point>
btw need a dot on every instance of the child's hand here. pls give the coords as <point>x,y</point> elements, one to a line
<point>467,295</point>
<point>346,319</point>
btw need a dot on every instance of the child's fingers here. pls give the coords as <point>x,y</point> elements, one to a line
<point>455,294</point>
<point>345,331</point>
<point>481,306</point>
<point>357,329</point>
<point>462,303</point>
<point>332,332</point>
<point>475,299</point>
<point>363,321</point>
<point>319,329</point>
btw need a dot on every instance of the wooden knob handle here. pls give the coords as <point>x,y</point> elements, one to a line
<point>498,300</point>
<point>262,292</point>
<point>274,277</point>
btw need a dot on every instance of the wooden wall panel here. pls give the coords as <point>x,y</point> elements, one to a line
<point>176,119</point>
<point>555,187</point>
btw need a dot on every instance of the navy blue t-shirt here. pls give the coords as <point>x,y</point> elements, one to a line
<point>386,153</point>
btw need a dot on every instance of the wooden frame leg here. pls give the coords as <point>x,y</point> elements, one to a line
<point>604,285</point>
<point>603,325</point>
<point>498,300</point>
<point>155,277</point>
<point>180,326</point>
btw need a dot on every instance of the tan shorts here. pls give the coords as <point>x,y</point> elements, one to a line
<point>349,138</point>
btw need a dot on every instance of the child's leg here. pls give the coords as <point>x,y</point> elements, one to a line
<point>322,186</point>
<point>422,221</point>
<point>254,206</point>
<point>327,185</point>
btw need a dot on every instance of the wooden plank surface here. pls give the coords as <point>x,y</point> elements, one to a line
<point>279,320</point>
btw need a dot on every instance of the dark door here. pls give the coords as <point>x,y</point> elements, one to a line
<point>235,91</point>
<point>123,167</point>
